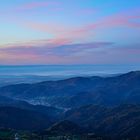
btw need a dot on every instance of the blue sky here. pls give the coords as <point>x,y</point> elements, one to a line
<point>69,32</point>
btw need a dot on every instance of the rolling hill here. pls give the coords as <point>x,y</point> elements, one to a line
<point>79,91</point>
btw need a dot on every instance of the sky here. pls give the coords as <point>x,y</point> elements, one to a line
<point>102,32</point>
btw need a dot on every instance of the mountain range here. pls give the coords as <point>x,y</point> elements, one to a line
<point>79,91</point>
<point>106,106</point>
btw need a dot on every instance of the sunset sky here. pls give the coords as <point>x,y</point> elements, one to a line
<point>69,32</point>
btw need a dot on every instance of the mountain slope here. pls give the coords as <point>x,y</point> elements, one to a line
<point>21,119</point>
<point>79,91</point>
<point>64,128</point>
<point>121,121</point>
<point>47,110</point>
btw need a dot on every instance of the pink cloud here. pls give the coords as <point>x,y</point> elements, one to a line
<point>120,20</point>
<point>60,31</point>
<point>125,19</point>
<point>47,54</point>
<point>34,5</point>
<point>84,31</point>
<point>90,53</point>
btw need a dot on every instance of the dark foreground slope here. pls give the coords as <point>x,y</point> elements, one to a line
<point>121,121</point>
<point>117,122</point>
<point>20,119</point>
<point>65,128</point>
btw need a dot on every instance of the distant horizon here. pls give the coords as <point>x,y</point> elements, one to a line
<point>66,70</point>
<point>68,64</point>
